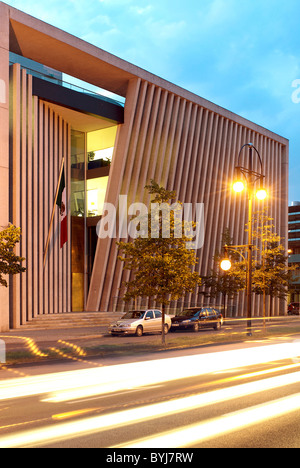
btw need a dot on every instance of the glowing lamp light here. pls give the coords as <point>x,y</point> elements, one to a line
<point>238,186</point>
<point>261,194</point>
<point>225,264</point>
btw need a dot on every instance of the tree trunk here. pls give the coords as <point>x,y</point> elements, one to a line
<point>224,305</point>
<point>163,336</point>
<point>271,306</point>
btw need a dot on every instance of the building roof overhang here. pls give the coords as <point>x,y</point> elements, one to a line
<point>86,103</point>
<point>46,44</point>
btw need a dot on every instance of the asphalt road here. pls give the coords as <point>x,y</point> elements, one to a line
<point>244,395</point>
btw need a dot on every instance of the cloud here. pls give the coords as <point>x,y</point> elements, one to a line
<point>141,10</point>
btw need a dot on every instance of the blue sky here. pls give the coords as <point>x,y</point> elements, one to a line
<point>242,55</point>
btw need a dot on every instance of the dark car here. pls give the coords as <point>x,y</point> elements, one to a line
<point>293,308</point>
<point>197,317</point>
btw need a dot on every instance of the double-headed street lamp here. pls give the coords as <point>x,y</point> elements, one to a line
<point>246,178</point>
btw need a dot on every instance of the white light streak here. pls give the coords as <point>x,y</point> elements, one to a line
<point>64,431</point>
<point>199,433</point>
<point>72,385</point>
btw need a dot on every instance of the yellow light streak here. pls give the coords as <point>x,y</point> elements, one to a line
<point>67,356</point>
<point>136,375</point>
<point>259,373</point>
<point>78,384</point>
<point>72,414</point>
<point>199,433</point>
<point>250,375</point>
<point>78,350</point>
<point>13,371</point>
<point>30,344</point>
<point>101,423</point>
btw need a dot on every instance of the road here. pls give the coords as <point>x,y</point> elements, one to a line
<point>239,395</point>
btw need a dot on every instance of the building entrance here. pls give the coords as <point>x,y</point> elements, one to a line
<point>91,154</point>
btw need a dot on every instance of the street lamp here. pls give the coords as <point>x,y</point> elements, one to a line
<point>225,264</point>
<point>246,178</point>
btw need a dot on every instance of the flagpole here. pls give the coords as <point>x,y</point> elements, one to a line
<point>53,211</point>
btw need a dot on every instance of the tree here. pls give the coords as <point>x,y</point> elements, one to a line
<point>10,263</point>
<point>271,273</point>
<point>162,264</point>
<point>226,283</point>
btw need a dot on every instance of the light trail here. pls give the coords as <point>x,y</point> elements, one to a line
<point>87,426</point>
<point>72,385</point>
<point>198,433</point>
<point>138,375</point>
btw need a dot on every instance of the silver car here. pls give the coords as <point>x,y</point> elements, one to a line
<point>140,321</point>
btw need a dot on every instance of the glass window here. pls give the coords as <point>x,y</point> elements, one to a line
<point>100,146</point>
<point>149,314</point>
<point>91,156</point>
<point>133,315</point>
<point>96,190</point>
<point>78,219</point>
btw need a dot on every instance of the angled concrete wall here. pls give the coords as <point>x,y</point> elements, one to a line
<point>189,148</point>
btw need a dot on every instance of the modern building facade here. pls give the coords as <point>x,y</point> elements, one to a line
<point>158,131</point>
<point>294,247</point>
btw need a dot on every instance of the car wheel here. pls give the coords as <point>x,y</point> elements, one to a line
<point>139,331</point>
<point>166,328</point>
<point>217,326</point>
<point>195,327</point>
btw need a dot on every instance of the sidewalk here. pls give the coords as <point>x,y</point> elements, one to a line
<point>47,332</point>
<point>17,340</point>
<point>70,337</point>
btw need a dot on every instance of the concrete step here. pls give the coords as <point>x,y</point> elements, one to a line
<point>72,320</point>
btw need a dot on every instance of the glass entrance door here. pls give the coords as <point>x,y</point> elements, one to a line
<point>78,216</point>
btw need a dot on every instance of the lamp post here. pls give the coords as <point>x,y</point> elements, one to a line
<point>225,264</point>
<point>247,178</point>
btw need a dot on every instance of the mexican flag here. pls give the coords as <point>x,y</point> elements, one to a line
<point>62,203</point>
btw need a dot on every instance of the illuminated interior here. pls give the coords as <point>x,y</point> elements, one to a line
<point>91,155</point>
<point>100,147</point>
<point>96,190</point>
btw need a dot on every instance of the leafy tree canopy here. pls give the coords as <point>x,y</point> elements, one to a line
<point>10,263</point>
<point>161,265</point>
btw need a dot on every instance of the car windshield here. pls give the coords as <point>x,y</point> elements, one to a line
<point>188,313</point>
<point>135,314</point>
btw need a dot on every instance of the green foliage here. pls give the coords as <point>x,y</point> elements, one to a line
<point>10,263</point>
<point>271,273</point>
<point>227,283</point>
<point>161,265</point>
